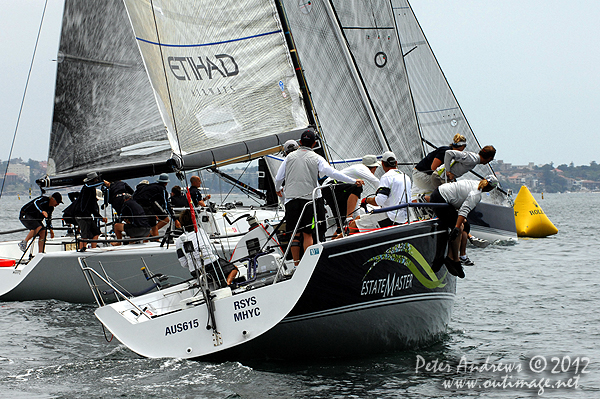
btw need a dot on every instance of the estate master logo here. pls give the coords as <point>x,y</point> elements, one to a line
<point>404,254</point>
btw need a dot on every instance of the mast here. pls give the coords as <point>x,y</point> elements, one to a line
<point>310,110</point>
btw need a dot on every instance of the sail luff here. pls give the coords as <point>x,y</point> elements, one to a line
<point>439,114</point>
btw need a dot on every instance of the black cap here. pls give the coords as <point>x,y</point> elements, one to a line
<point>308,138</point>
<point>57,197</point>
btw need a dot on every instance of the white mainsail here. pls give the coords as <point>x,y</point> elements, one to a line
<point>222,75</point>
<point>439,114</point>
<point>104,105</point>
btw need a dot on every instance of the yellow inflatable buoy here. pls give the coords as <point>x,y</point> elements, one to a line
<point>530,219</point>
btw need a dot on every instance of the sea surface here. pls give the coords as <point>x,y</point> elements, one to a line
<point>525,316</point>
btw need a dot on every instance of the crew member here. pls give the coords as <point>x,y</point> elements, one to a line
<point>194,248</point>
<point>347,195</point>
<point>155,201</point>
<point>87,212</point>
<point>195,193</point>
<point>33,213</point>
<point>457,163</point>
<point>177,199</point>
<point>463,195</point>
<point>133,220</point>
<point>423,171</point>
<point>394,189</point>
<point>116,190</point>
<point>300,170</point>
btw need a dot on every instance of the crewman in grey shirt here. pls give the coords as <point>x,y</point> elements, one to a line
<point>457,163</point>
<point>463,195</point>
<point>300,170</point>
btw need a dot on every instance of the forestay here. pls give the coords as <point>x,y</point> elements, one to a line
<point>222,76</point>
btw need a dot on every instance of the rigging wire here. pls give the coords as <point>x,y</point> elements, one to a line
<point>23,98</point>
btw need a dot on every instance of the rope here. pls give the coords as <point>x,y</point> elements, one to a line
<point>12,145</point>
<point>13,231</point>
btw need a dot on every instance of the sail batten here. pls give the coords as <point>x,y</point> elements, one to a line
<point>209,44</point>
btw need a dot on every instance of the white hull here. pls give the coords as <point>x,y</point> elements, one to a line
<point>181,331</point>
<point>56,274</point>
<point>493,223</point>
<point>360,294</point>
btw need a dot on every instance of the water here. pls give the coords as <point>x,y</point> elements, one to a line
<point>519,305</point>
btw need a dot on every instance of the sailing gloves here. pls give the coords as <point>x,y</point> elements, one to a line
<point>363,203</point>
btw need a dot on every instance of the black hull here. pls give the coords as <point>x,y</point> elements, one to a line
<point>369,293</point>
<point>496,222</point>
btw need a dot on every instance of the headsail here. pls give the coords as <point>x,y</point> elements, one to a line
<point>105,116</point>
<point>439,114</point>
<point>353,64</point>
<point>222,75</point>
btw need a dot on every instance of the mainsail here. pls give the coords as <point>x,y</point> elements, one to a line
<point>439,114</point>
<point>222,76</point>
<point>105,117</point>
<point>352,61</point>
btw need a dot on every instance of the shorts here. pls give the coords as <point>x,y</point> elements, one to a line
<point>422,183</point>
<point>374,221</point>
<point>136,231</point>
<point>151,216</point>
<point>30,222</point>
<point>218,271</point>
<point>293,209</point>
<point>88,228</point>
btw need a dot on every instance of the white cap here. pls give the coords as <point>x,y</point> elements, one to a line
<point>389,157</point>
<point>290,146</point>
<point>370,161</point>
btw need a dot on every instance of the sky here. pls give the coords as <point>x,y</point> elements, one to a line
<point>522,70</point>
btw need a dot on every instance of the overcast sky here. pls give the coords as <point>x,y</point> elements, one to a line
<point>524,72</point>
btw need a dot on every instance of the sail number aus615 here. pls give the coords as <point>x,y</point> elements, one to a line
<point>247,309</point>
<point>180,327</point>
